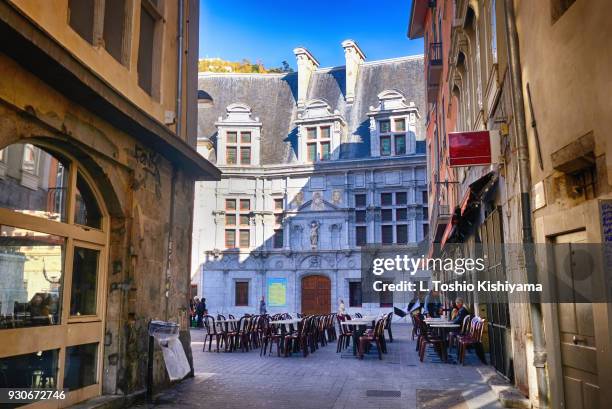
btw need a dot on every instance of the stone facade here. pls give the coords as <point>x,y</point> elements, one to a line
<point>316,175</point>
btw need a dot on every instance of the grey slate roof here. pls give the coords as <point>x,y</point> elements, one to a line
<point>272,98</point>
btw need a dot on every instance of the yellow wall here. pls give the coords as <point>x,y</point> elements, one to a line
<point>568,65</point>
<point>52,17</point>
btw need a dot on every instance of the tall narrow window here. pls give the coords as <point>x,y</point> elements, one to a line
<point>400,144</point>
<point>84,281</point>
<point>401,233</point>
<point>81,18</point>
<point>114,28</point>
<point>148,60</point>
<point>242,293</point>
<point>385,145</point>
<point>237,223</point>
<point>361,230</point>
<point>278,239</point>
<point>387,234</point>
<point>361,235</point>
<point>355,298</point>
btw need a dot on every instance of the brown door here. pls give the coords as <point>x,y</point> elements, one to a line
<point>316,295</point>
<point>576,332</point>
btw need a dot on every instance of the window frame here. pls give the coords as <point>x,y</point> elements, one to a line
<point>318,142</point>
<point>70,330</point>
<point>395,207</point>
<point>361,208</point>
<point>246,285</point>
<point>352,286</point>
<point>392,133</point>
<point>238,212</point>
<point>239,145</point>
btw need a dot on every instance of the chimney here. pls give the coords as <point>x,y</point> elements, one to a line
<point>306,64</point>
<point>354,57</point>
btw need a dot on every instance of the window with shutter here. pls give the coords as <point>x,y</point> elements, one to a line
<point>242,293</point>
<point>355,294</point>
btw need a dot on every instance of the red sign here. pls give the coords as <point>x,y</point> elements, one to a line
<point>469,148</point>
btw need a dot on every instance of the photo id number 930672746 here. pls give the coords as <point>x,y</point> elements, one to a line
<point>29,395</point>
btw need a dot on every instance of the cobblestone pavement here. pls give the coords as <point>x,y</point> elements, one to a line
<point>327,380</point>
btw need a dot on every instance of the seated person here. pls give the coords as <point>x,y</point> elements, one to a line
<point>459,312</point>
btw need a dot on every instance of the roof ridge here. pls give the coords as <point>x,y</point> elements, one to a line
<point>395,59</point>
<point>243,74</point>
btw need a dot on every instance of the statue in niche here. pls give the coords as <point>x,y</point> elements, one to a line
<point>314,234</point>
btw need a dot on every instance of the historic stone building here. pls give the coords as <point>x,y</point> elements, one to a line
<point>493,65</point>
<point>315,164</point>
<point>97,171</point>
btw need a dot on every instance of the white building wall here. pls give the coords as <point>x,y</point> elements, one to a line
<point>324,196</point>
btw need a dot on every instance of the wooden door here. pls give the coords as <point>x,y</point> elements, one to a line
<point>316,295</point>
<point>576,332</point>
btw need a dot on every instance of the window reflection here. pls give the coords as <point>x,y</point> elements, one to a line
<point>31,270</point>
<point>87,211</point>
<point>36,370</point>
<point>33,181</point>
<point>84,281</point>
<point>81,364</point>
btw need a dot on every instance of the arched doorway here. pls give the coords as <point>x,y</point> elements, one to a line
<point>316,295</point>
<point>54,230</point>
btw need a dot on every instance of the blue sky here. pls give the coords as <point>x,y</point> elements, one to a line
<point>268,30</point>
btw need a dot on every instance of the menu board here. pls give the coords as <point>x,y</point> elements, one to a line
<point>277,292</point>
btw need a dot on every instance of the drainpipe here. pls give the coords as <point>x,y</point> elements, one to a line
<point>179,81</point>
<point>179,114</point>
<point>524,172</point>
<point>170,249</point>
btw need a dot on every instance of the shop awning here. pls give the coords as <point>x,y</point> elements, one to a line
<point>450,230</point>
<point>472,196</point>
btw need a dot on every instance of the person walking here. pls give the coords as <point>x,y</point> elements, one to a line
<point>200,311</point>
<point>341,308</point>
<point>262,306</point>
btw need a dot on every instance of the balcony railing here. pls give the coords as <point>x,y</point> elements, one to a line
<point>434,70</point>
<point>435,54</point>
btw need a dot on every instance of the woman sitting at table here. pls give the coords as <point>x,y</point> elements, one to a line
<point>459,312</point>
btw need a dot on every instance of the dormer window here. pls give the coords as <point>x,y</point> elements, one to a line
<point>319,132</point>
<point>318,143</point>
<point>392,125</point>
<point>238,137</point>
<point>392,138</point>
<point>238,149</point>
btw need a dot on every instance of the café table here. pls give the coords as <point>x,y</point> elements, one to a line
<point>360,327</point>
<point>285,324</point>
<point>444,328</point>
<point>226,321</point>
